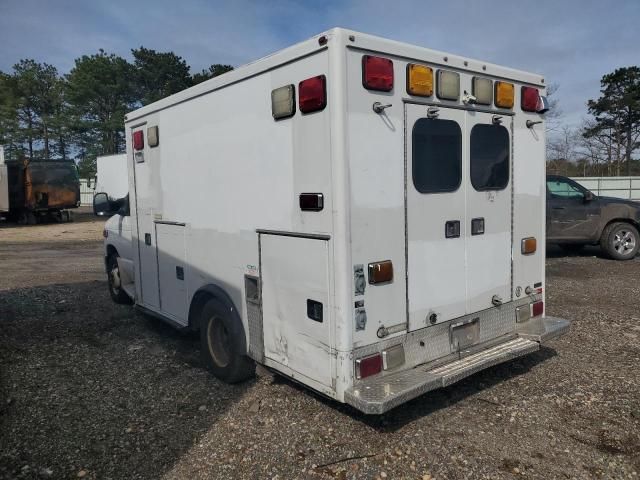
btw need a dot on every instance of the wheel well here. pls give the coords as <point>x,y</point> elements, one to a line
<point>111,250</point>
<point>621,220</point>
<point>202,296</point>
<point>199,299</point>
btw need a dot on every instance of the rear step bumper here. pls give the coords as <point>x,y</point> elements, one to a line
<point>378,395</point>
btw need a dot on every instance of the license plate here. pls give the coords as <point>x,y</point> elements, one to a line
<point>465,334</point>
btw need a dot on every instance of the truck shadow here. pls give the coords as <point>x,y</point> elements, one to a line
<point>84,381</point>
<point>476,386</point>
<point>554,251</point>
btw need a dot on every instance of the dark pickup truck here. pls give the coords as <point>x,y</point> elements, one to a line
<point>576,217</point>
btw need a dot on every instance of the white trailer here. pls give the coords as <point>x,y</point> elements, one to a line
<point>112,175</point>
<point>363,216</point>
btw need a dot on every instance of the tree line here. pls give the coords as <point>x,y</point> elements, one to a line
<point>80,115</point>
<point>607,142</point>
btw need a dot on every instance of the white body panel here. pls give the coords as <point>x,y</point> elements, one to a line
<point>219,198</point>
<point>4,188</point>
<point>112,175</point>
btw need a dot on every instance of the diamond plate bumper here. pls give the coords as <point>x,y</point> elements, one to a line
<point>543,329</point>
<point>378,395</point>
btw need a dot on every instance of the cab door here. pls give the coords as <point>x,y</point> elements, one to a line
<point>436,214</point>
<point>572,214</point>
<point>489,204</point>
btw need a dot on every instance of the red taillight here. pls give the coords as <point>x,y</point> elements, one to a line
<point>367,366</point>
<point>312,94</point>
<point>530,98</point>
<point>537,309</point>
<point>377,73</point>
<point>138,140</point>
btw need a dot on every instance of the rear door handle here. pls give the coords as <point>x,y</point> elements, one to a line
<point>558,208</point>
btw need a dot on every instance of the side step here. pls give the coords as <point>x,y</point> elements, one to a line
<point>378,395</point>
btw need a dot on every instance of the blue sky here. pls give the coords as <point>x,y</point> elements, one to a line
<point>572,43</point>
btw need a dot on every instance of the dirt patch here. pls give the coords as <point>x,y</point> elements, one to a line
<point>90,389</point>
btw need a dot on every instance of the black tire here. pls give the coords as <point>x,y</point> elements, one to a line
<point>571,247</point>
<point>222,343</point>
<point>620,241</point>
<point>118,295</point>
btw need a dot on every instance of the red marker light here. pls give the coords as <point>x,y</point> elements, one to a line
<point>537,309</point>
<point>138,140</point>
<point>365,367</point>
<point>312,94</point>
<point>530,98</point>
<point>377,73</point>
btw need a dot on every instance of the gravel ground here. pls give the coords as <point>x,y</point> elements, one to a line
<point>90,389</point>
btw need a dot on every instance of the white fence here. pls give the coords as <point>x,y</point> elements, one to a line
<point>619,187</point>
<point>87,190</point>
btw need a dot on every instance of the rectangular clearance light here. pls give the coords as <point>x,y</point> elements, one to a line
<point>482,89</point>
<point>138,140</point>
<point>380,272</point>
<point>529,99</point>
<point>152,136</point>
<point>367,366</point>
<point>313,202</point>
<point>528,246</point>
<point>312,94</point>
<point>448,85</point>
<point>377,73</point>
<point>504,94</point>
<point>419,80</point>
<point>537,308</point>
<point>283,102</point>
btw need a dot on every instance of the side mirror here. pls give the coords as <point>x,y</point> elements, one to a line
<point>101,204</point>
<point>588,197</point>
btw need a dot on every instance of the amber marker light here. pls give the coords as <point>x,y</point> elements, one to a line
<point>504,94</point>
<point>529,246</point>
<point>419,80</point>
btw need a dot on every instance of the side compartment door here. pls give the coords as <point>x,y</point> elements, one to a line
<point>297,318</point>
<point>489,211</point>
<point>143,232</point>
<point>436,214</point>
<point>170,244</point>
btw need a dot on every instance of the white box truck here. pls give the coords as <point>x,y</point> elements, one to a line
<point>363,216</point>
<point>112,175</point>
<point>4,184</point>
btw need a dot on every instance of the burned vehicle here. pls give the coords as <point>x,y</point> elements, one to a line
<point>37,189</point>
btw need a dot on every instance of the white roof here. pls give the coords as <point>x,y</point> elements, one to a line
<point>348,39</point>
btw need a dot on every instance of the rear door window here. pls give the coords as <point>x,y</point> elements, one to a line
<point>489,157</point>
<point>437,155</point>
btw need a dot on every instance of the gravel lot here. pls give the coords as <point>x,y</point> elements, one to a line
<point>90,389</point>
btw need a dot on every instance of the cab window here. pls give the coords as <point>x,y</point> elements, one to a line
<point>561,188</point>
<point>437,155</point>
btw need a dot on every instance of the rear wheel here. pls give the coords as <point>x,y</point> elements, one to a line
<point>221,341</point>
<point>620,240</point>
<point>115,283</point>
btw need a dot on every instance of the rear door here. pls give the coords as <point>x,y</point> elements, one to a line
<point>436,214</point>
<point>489,206</point>
<point>458,190</point>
